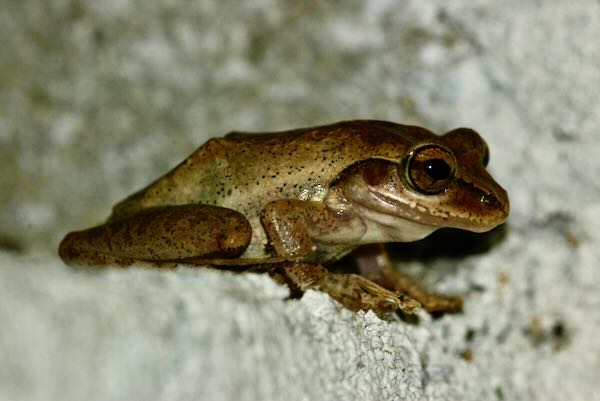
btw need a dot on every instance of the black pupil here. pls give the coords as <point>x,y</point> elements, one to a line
<point>437,169</point>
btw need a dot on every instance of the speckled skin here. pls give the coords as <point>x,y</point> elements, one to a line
<point>306,196</point>
<point>245,172</point>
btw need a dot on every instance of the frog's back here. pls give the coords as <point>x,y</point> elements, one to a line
<point>244,171</point>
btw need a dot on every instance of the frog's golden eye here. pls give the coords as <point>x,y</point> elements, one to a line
<point>430,168</point>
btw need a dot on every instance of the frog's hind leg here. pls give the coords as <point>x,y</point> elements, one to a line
<point>351,290</point>
<point>161,236</point>
<point>374,264</point>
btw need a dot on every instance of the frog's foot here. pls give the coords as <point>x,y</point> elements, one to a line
<point>358,293</point>
<point>351,290</point>
<point>432,302</point>
<point>375,265</point>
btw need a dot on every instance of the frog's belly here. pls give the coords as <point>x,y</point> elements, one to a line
<point>258,244</point>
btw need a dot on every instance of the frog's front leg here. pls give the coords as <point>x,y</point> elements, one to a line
<point>159,236</point>
<point>374,264</point>
<point>298,229</point>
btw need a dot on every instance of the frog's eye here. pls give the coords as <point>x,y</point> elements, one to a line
<point>430,168</point>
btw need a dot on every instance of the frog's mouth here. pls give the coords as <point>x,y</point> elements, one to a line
<point>428,214</point>
<point>389,204</point>
<point>385,223</point>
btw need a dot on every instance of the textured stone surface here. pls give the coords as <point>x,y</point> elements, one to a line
<point>98,98</point>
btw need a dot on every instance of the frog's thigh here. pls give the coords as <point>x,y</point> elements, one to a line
<point>167,233</point>
<point>374,264</point>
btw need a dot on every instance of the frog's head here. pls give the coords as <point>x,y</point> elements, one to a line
<point>440,181</point>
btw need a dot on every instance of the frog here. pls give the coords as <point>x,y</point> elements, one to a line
<point>291,203</point>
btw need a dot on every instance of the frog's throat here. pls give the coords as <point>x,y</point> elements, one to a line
<point>385,227</point>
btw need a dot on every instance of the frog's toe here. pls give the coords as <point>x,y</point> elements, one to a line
<point>389,305</point>
<point>386,306</point>
<point>409,305</point>
<point>437,303</point>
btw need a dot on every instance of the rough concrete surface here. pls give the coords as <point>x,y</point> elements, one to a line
<point>98,98</point>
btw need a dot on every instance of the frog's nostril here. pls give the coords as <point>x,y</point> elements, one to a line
<point>493,201</point>
<point>489,199</point>
<point>490,202</point>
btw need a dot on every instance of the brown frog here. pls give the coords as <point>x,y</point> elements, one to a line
<point>291,202</point>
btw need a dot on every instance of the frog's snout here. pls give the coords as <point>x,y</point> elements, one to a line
<point>499,202</point>
<point>497,207</point>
